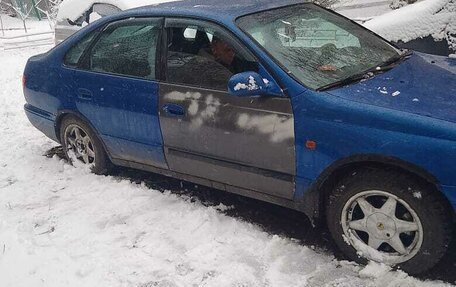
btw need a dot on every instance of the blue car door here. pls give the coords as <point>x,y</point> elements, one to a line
<point>116,90</point>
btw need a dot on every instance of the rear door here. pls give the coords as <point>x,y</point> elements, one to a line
<point>115,88</point>
<point>245,142</point>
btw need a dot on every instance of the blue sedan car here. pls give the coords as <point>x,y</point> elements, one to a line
<point>282,101</point>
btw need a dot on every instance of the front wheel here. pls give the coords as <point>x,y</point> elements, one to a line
<point>81,144</point>
<point>391,218</point>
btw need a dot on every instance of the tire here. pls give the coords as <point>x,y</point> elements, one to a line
<point>85,147</point>
<point>371,212</point>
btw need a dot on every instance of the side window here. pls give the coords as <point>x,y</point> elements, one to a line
<point>204,56</point>
<point>74,54</point>
<point>127,48</point>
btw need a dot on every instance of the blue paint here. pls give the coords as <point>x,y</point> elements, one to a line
<point>248,84</point>
<point>407,113</point>
<point>122,108</point>
<point>450,192</point>
<point>41,120</point>
<point>417,86</point>
<point>174,110</point>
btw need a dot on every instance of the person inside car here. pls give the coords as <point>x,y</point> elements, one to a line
<point>223,53</point>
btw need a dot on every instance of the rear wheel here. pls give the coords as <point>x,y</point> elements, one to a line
<point>81,144</point>
<point>391,218</point>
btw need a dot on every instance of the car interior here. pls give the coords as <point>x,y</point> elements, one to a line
<point>191,59</point>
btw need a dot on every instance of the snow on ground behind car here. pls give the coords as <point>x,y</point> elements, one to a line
<point>62,226</point>
<point>13,26</point>
<point>13,34</point>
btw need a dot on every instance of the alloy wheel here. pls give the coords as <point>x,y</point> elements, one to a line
<point>382,227</point>
<point>78,142</point>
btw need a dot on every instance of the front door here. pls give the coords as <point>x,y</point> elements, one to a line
<point>245,142</point>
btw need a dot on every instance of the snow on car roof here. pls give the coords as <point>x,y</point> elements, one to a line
<point>73,9</point>
<point>428,17</point>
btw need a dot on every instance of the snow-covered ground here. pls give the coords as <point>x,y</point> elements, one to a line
<point>62,226</point>
<point>13,26</point>
<point>13,34</point>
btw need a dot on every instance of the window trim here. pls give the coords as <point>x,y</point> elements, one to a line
<point>84,60</point>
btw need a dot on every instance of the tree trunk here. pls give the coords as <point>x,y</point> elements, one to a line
<point>1,25</point>
<point>25,26</point>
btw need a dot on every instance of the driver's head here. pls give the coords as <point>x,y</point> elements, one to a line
<point>222,51</point>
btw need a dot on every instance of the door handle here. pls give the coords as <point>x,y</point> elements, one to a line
<point>173,110</point>
<point>84,94</point>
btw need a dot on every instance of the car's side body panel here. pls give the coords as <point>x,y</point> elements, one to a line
<point>42,120</point>
<point>242,141</point>
<point>426,142</point>
<point>124,112</point>
<point>450,193</point>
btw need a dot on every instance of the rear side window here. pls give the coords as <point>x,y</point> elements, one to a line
<point>74,54</point>
<point>127,48</point>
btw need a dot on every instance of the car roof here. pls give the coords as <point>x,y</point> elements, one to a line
<point>219,10</point>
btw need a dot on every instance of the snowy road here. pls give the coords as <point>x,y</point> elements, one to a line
<point>61,226</point>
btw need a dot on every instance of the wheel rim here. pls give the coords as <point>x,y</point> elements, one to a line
<point>79,144</point>
<point>382,227</point>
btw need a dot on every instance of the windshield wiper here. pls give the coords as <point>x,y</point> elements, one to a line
<point>394,61</point>
<point>387,65</point>
<point>346,81</point>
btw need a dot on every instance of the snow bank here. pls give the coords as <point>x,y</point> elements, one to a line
<point>73,9</point>
<point>61,226</point>
<point>429,17</point>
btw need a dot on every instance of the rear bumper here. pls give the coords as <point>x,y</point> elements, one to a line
<point>450,192</point>
<point>42,120</point>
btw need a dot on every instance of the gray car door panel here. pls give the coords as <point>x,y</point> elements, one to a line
<point>246,142</point>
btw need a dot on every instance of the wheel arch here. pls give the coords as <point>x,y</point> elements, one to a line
<point>324,183</point>
<point>64,113</point>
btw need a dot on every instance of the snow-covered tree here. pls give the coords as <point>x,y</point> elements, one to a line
<point>1,21</point>
<point>50,10</point>
<point>22,9</point>
<point>54,8</point>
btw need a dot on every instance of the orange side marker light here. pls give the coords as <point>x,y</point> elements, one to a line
<point>312,145</point>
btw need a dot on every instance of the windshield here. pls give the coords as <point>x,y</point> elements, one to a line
<point>317,47</point>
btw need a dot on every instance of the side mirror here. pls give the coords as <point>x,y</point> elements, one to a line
<point>248,84</point>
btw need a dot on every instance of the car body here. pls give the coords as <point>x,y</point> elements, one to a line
<point>271,137</point>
